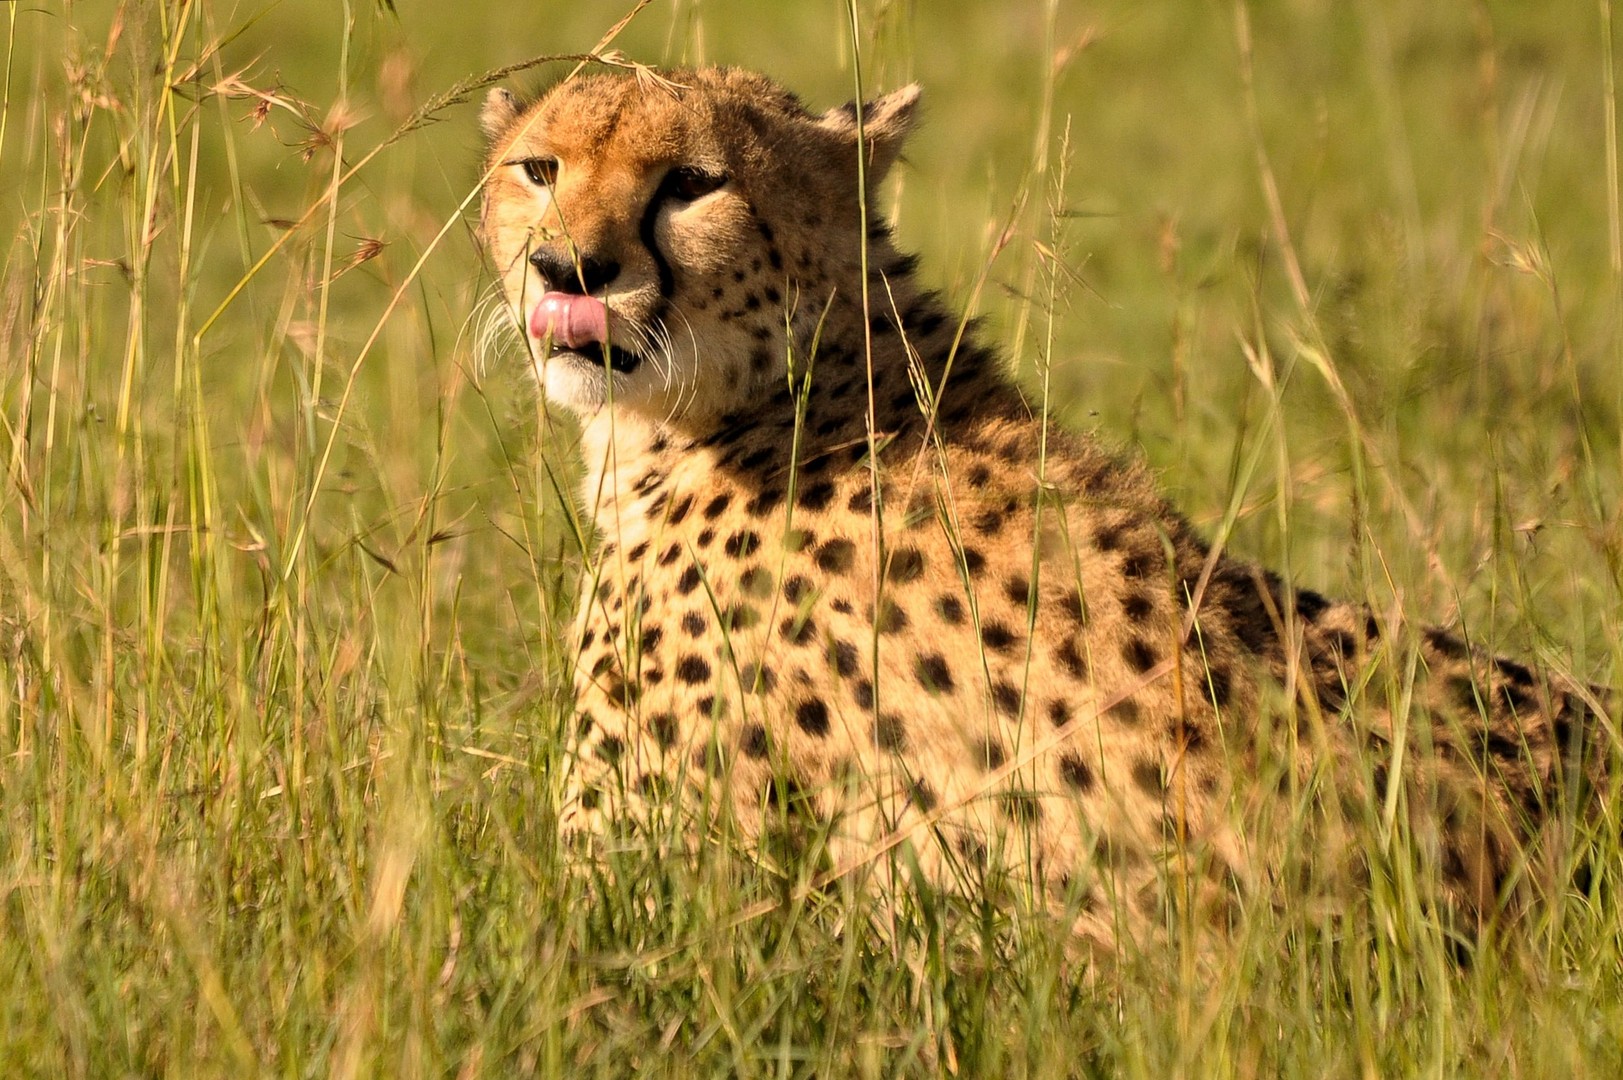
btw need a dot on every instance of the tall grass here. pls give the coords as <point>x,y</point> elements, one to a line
<point>286,564</point>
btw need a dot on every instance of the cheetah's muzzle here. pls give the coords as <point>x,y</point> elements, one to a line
<point>579,326</point>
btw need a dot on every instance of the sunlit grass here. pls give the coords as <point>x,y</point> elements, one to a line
<point>286,563</point>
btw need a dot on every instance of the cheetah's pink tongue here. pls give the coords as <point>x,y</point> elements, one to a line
<point>571,321</point>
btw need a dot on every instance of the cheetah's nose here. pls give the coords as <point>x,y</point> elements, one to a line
<point>570,320</point>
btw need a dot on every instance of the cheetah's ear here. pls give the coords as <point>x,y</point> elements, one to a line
<point>886,122</point>
<point>500,110</point>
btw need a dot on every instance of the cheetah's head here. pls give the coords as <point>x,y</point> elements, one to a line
<point>665,241</point>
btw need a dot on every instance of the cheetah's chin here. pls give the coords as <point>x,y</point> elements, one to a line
<point>603,355</point>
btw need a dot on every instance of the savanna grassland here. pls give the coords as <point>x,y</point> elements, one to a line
<point>287,547</point>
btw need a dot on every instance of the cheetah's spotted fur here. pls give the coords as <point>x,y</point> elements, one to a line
<point>846,573</point>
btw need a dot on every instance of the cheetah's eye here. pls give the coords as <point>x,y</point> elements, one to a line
<point>541,171</point>
<point>688,183</point>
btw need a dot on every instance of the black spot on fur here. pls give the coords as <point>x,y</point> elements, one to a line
<point>693,624</point>
<point>742,543</point>
<point>767,498</point>
<point>987,522</point>
<point>816,495</point>
<point>1446,644</point>
<point>902,266</point>
<point>741,616</point>
<point>689,580</point>
<point>973,850</point>
<point>836,556</point>
<point>758,457</point>
<point>798,539</point>
<point>932,672</point>
<point>1018,590</point>
<point>1515,672</point>
<point>845,658</point>
<point>752,741</point>
<point>1517,700</point>
<point>654,787</point>
<point>921,320</point>
<point>1125,713</point>
<point>664,729</point>
<point>891,618</point>
<point>756,582</point>
<point>707,759</point>
<point>996,636</point>
<point>1021,807</point>
<point>991,755</point>
<point>1342,644</point>
<point>797,631</point>
<point>617,690</point>
<point>1076,773</point>
<point>811,716</point>
<point>889,733</point>
<point>717,506</point>
<point>862,693</point>
<point>922,795</point>
<point>611,748</point>
<point>1463,691</point>
<point>1310,605</point>
<point>1006,697</point>
<point>1141,564</point>
<point>1138,606</point>
<point>1502,746</point>
<point>951,609</point>
<point>693,669</point>
<point>1220,684</point>
<point>1071,659</point>
<point>1140,655</point>
<point>906,564</point>
<point>758,678</point>
<point>1189,734</point>
<point>1147,775</point>
<point>1059,713</point>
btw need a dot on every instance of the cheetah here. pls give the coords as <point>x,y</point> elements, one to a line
<point>847,579</point>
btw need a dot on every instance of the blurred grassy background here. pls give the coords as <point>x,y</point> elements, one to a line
<point>284,570</point>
